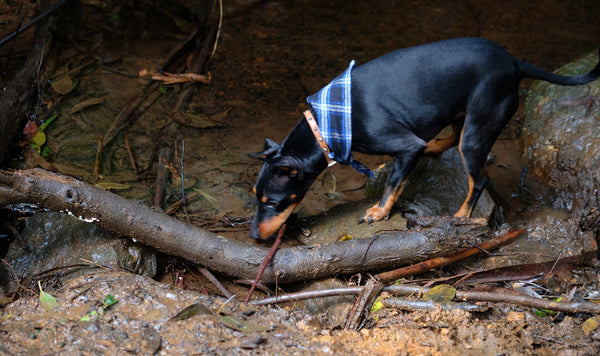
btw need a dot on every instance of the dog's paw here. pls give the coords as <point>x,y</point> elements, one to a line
<point>376,213</point>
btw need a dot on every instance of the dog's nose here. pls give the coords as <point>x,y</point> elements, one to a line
<point>254,232</point>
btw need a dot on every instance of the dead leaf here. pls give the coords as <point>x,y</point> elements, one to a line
<point>63,85</point>
<point>240,325</point>
<point>113,186</point>
<point>590,325</point>
<point>85,104</point>
<point>230,322</point>
<point>30,129</point>
<point>190,311</point>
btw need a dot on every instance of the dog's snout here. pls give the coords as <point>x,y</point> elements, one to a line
<point>254,232</point>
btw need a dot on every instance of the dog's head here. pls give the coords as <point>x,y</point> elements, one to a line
<point>280,187</point>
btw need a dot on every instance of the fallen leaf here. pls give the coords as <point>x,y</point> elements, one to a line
<point>190,311</point>
<point>590,325</point>
<point>212,200</point>
<point>442,293</point>
<point>63,85</point>
<point>240,325</point>
<point>112,186</point>
<point>230,322</point>
<point>85,104</point>
<point>109,301</point>
<point>377,305</point>
<point>38,140</point>
<point>30,129</point>
<point>47,301</point>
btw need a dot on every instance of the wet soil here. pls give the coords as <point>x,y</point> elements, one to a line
<point>270,56</point>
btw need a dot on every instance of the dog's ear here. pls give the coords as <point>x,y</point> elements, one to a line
<point>269,149</point>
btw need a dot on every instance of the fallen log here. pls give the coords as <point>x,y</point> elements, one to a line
<point>142,224</point>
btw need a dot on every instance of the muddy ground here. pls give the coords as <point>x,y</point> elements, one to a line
<point>269,57</point>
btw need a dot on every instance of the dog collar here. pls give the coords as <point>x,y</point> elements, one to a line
<point>314,128</point>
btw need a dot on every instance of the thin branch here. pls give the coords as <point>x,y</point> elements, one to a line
<point>445,260</point>
<point>470,296</point>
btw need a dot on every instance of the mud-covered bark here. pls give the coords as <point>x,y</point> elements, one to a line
<point>155,229</point>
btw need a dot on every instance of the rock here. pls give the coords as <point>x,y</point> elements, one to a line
<point>61,244</point>
<point>561,135</point>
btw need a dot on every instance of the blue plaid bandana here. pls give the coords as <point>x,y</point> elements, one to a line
<point>332,106</point>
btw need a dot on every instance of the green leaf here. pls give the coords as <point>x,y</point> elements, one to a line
<point>113,18</point>
<point>38,140</point>
<point>109,301</point>
<point>46,152</point>
<point>442,293</point>
<point>162,90</point>
<point>88,316</point>
<point>47,301</point>
<point>48,121</point>
<point>377,305</point>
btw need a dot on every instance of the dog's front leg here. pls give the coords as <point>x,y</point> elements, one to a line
<point>403,164</point>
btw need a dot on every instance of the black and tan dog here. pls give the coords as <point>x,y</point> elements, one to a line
<point>400,102</point>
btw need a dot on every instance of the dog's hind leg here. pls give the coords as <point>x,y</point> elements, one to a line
<point>479,133</point>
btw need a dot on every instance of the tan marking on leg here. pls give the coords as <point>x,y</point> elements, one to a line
<point>377,212</point>
<point>440,145</point>
<point>466,208</point>
<point>269,227</point>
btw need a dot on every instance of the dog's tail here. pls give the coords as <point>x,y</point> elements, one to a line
<point>531,71</point>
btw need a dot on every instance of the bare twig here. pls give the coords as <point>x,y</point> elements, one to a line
<point>365,299</point>
<point>474,296</point>
<point>170,78</point>
<point>312,294</point>
<point>266,261</point>
<point>412,305</point>
<point>130,153</point>
<point>471,296</point>
<point>211,277</point>
<point>32,22</point>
